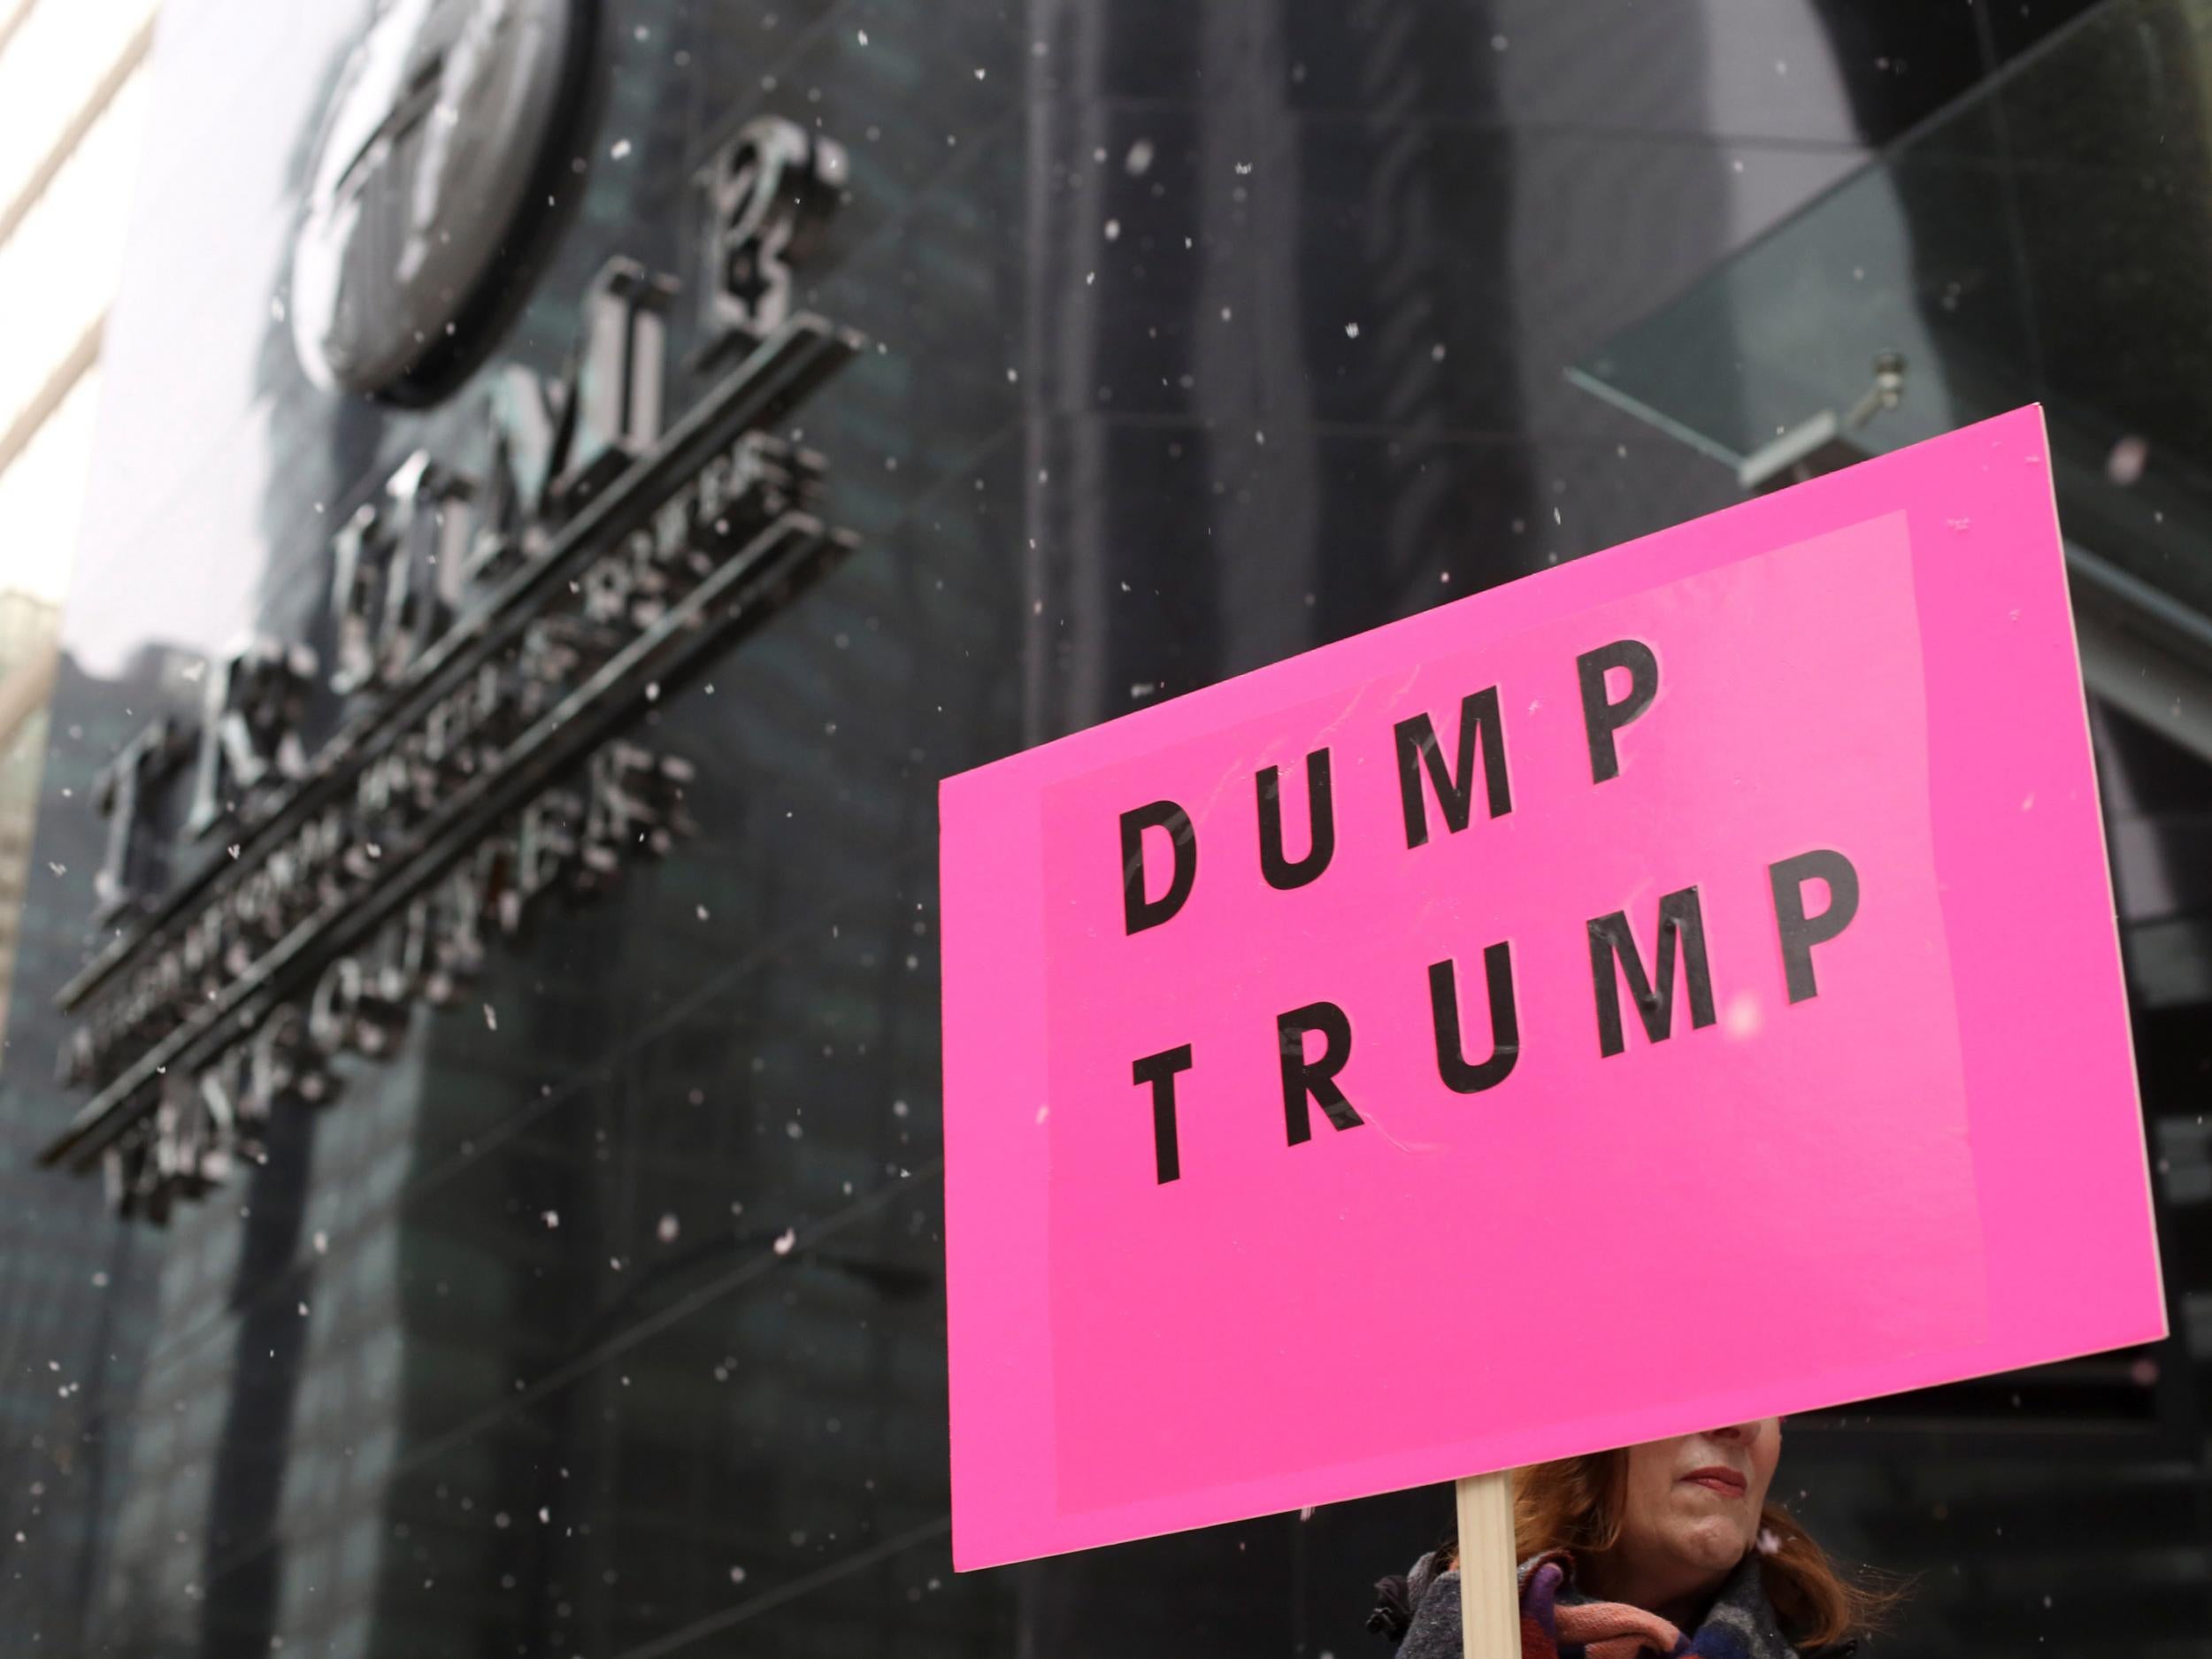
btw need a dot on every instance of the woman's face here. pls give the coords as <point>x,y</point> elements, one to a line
<point>1692,1505</point>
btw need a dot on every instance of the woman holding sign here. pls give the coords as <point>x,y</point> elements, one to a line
<point>1670,1547</point>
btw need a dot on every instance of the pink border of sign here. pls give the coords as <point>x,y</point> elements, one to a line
<point>2056,1138</point>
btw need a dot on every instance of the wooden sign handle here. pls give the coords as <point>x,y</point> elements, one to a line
<point>1489,1603</point>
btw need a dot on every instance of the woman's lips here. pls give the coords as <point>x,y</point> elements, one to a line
<point>1726,1482</point>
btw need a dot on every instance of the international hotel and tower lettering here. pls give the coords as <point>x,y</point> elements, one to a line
<point>496,631</point>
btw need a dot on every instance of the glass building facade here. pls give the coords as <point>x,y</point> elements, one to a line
<point>604,1313</point>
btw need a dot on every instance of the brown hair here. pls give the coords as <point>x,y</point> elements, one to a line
<point>1577,1504</point>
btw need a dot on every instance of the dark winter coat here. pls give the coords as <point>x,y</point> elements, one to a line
<point>1423,1609</point>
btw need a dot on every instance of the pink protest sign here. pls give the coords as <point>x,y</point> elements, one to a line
<point>1677,988</point>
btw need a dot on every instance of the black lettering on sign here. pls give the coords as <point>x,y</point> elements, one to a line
<point>1601,718</point>
<point>1800,933</point>
<point>1611,941</point>
<point>1281,873</point>
<point>1302,1077</point>
<point>1159,1070</point>
<point>1460,1074</point>
<point>1456,793</point>
<point>1138,911</point>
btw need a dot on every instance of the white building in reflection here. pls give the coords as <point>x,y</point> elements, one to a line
<point>72,106</point>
